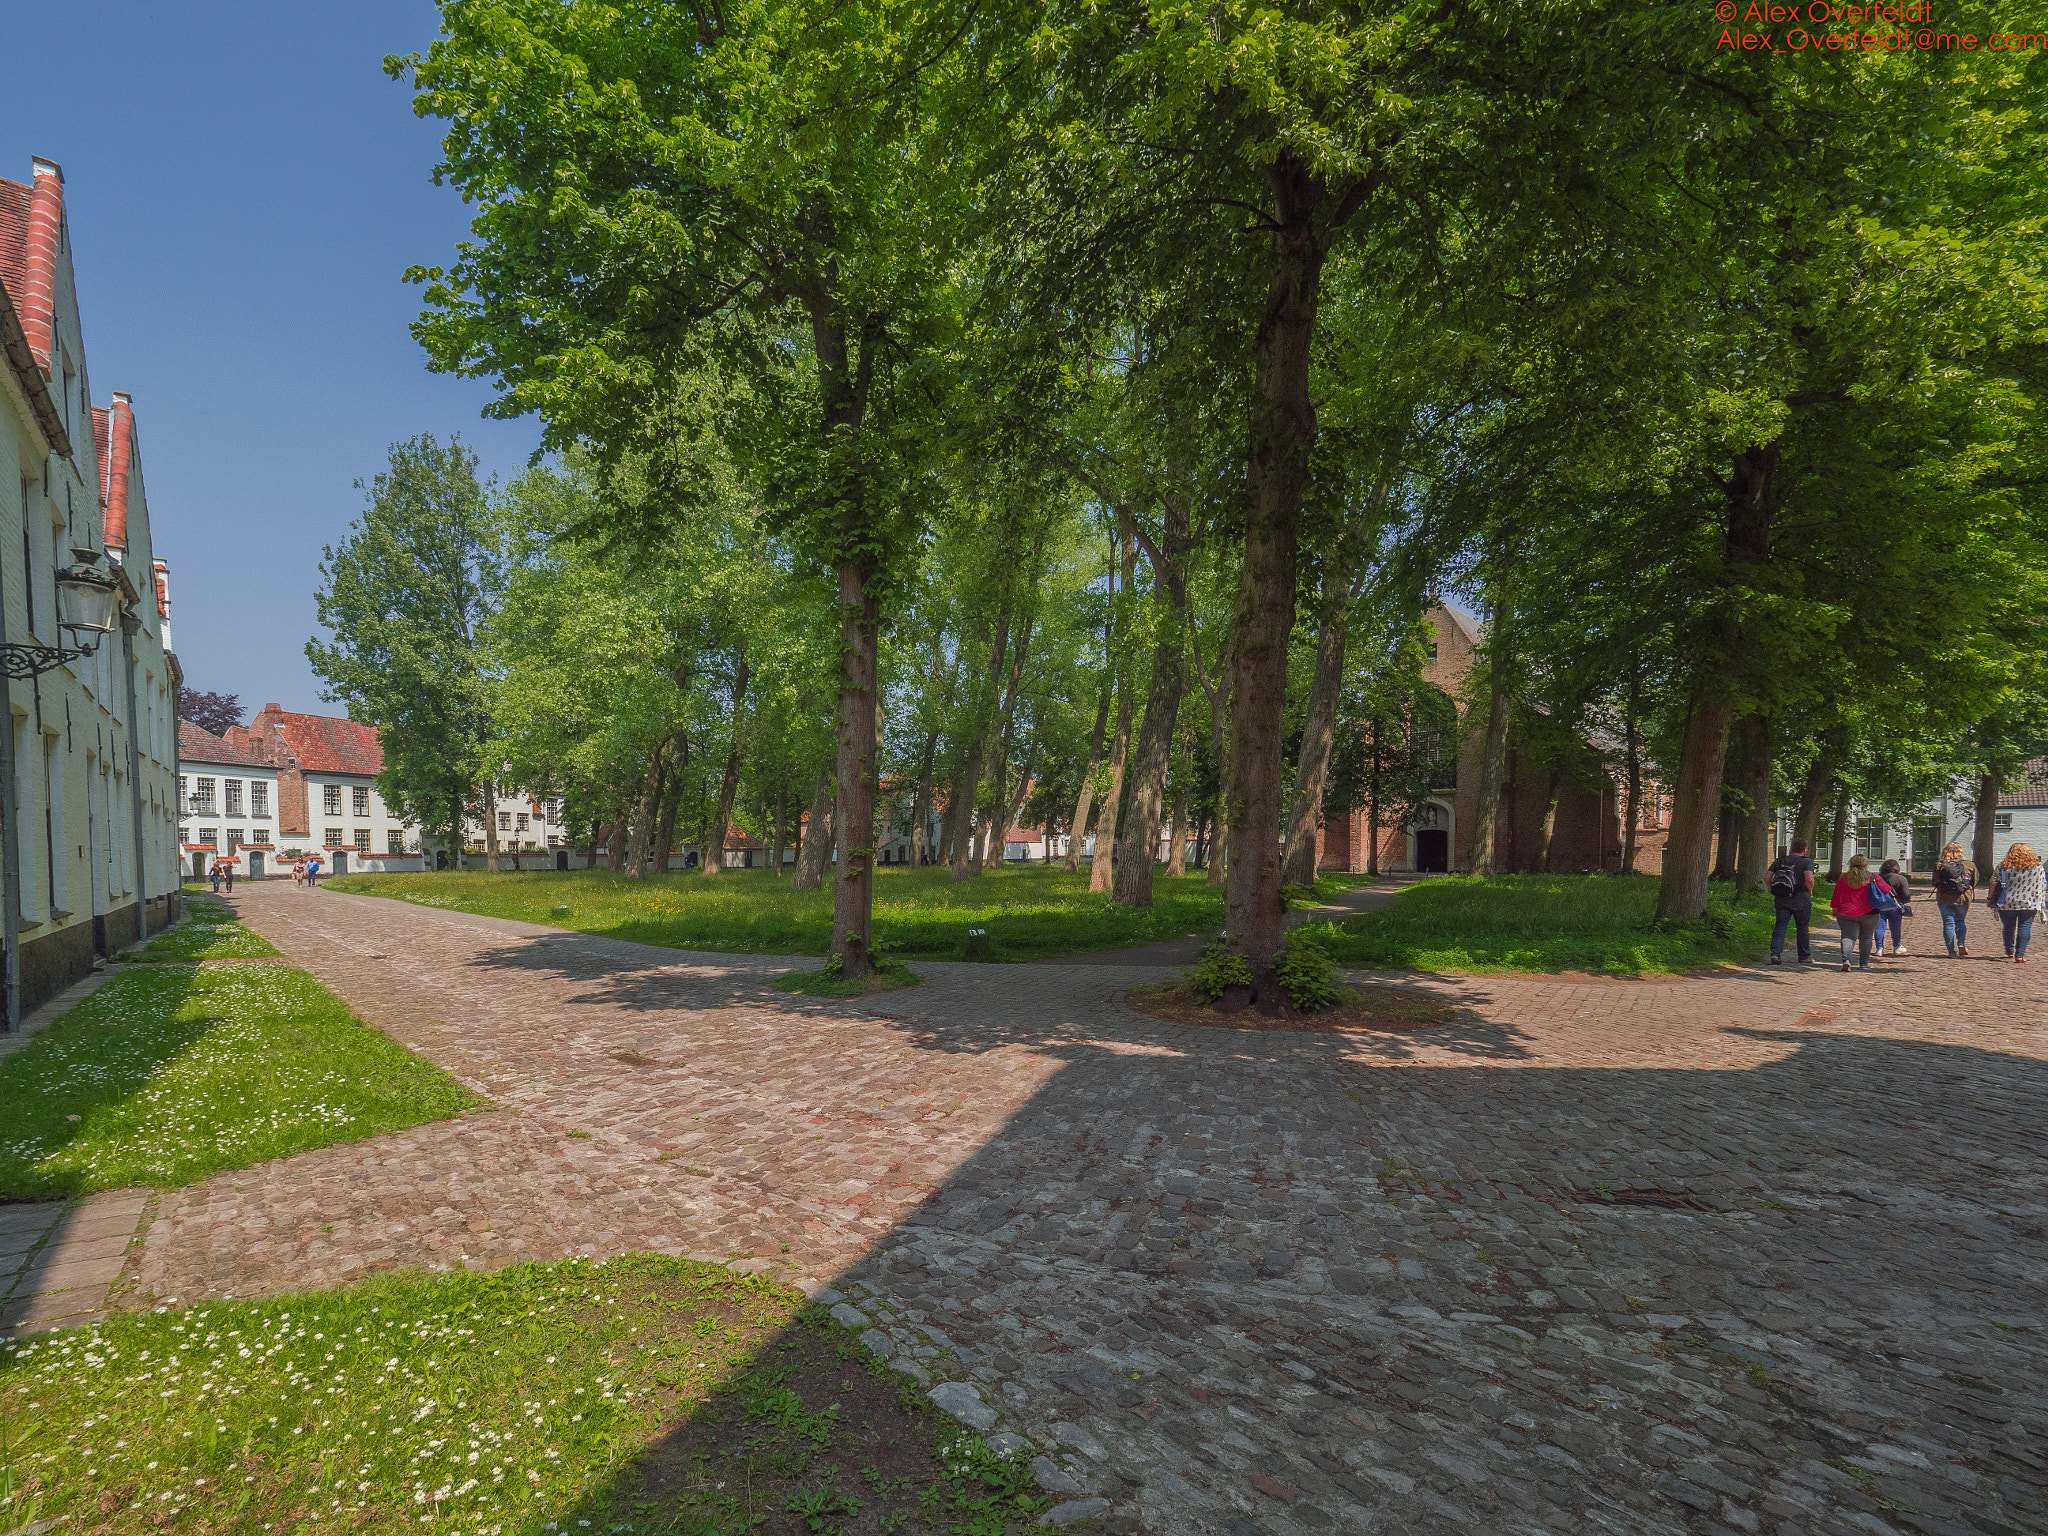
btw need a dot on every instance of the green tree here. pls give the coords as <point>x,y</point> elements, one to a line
<point>406,597</point>
<point>662,189</point>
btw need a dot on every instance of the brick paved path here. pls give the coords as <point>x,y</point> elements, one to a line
<point>1269,1282</point>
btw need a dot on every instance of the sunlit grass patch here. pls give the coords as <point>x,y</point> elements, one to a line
<point>1028,913</point>
<point>644,1394</point>
<point>1550,923</point>
<point>167,1075</point>
<point>212,934</point>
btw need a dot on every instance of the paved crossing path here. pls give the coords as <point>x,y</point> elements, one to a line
<point>1756,1252</point>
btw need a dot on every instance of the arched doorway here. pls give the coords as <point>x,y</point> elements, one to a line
<point>1429,839</point>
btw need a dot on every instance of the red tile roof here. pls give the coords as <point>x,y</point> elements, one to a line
<point>13,332</point>
<point>2032,790</point>
<point>14,205</point>
<point>321,743</point>
<point>197,745</point>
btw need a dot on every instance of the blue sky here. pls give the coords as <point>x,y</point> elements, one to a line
<point>244,187</point>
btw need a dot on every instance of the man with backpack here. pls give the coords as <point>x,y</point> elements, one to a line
<point>1790,881</point>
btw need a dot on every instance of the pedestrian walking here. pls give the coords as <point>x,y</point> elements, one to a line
<point>1901,885</point>
<point>1954,878</point>
<point>2019,891</point>
<point>313,873</point>
<point>1855,907</point>
<point>299,873</point>
<point>229,876</point>
<point>214,875</point>
<point>1790,880</point>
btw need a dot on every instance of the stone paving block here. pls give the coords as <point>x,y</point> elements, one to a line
<point>66,1276</point>
<point>62,1309</point>
<point>114,1205</point>
<point>37,1216</point>
<point>63,1249</point>
<point>88,1228</point>
<point>1732,1227</point>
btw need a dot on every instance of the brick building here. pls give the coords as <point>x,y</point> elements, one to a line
<point>1587,834</point>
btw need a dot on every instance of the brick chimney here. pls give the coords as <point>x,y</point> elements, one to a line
<point>39,274</point>
<point>120,442</point>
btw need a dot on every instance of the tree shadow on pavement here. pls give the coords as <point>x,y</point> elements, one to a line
<point>1300,1282</point>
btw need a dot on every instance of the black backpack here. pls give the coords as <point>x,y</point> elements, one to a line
<point>1950,879</point>
<point>1784,878</point>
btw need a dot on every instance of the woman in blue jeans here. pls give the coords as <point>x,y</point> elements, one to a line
<point>2023,891</point>
<point>1954,878</point>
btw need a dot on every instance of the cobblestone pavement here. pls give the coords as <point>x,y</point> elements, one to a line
<point>1240,1282</point>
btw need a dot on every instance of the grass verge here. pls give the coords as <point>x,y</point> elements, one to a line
<point>210,934</point>
<point>1026,913</point>
<point>167,1075</point>
<point>1550,923</point>
<point>889,974</point>
<point>1401,1010</point>
<point>641,1395</point>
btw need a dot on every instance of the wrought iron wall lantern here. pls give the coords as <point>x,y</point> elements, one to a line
<point>87,605</point>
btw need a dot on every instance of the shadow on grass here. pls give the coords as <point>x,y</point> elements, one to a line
<point>645,1394</point>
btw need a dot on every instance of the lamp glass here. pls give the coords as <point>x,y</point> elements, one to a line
<point>85,601</point>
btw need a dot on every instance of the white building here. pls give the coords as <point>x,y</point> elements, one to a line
<point>86,762</point>
<point>288,785</point>
<point>2021,816</point>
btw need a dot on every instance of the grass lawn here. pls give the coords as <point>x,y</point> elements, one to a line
<point>642,1395</point>
<point>919,913</point>
<point>168,1074</point>
<point>1551,923</point>
<point>211,934</point>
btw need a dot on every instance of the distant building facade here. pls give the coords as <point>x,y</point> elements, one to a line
<point>87,757</point>
<point>290,785</point>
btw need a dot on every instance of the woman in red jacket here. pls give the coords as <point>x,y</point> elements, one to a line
<point>1854,913</point>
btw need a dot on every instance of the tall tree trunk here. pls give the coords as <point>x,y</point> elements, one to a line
<point>1005,723</point>
<point>1694,801</point>
<point>1813,795</point>
<point>1013,808</point>
<point>645,809</point>
<point>1493,758</point>
<point>1754,854</point>
<point>1840,835</point>
<point>817,837</point>
<point>1133,883</point>
<point>1102,870</point>
<point>921,805</point>
<point>853,892</point>
<point>1084,801</point>
<point>1695,805</point>
<point>779,822</point>
<point>1177,835</point>
<point>729,785</point>
<point>968,790</point>
<point>672,802</point>
<point>1318,726</point>
<point>1983,844</point>
<point>615,845</point>
<point>490,827</point>
<point>1728,829</point>
<point>1632,749</point>
<point>1548,839</point>
<point>1282,436</point>
<point>845,370</point>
